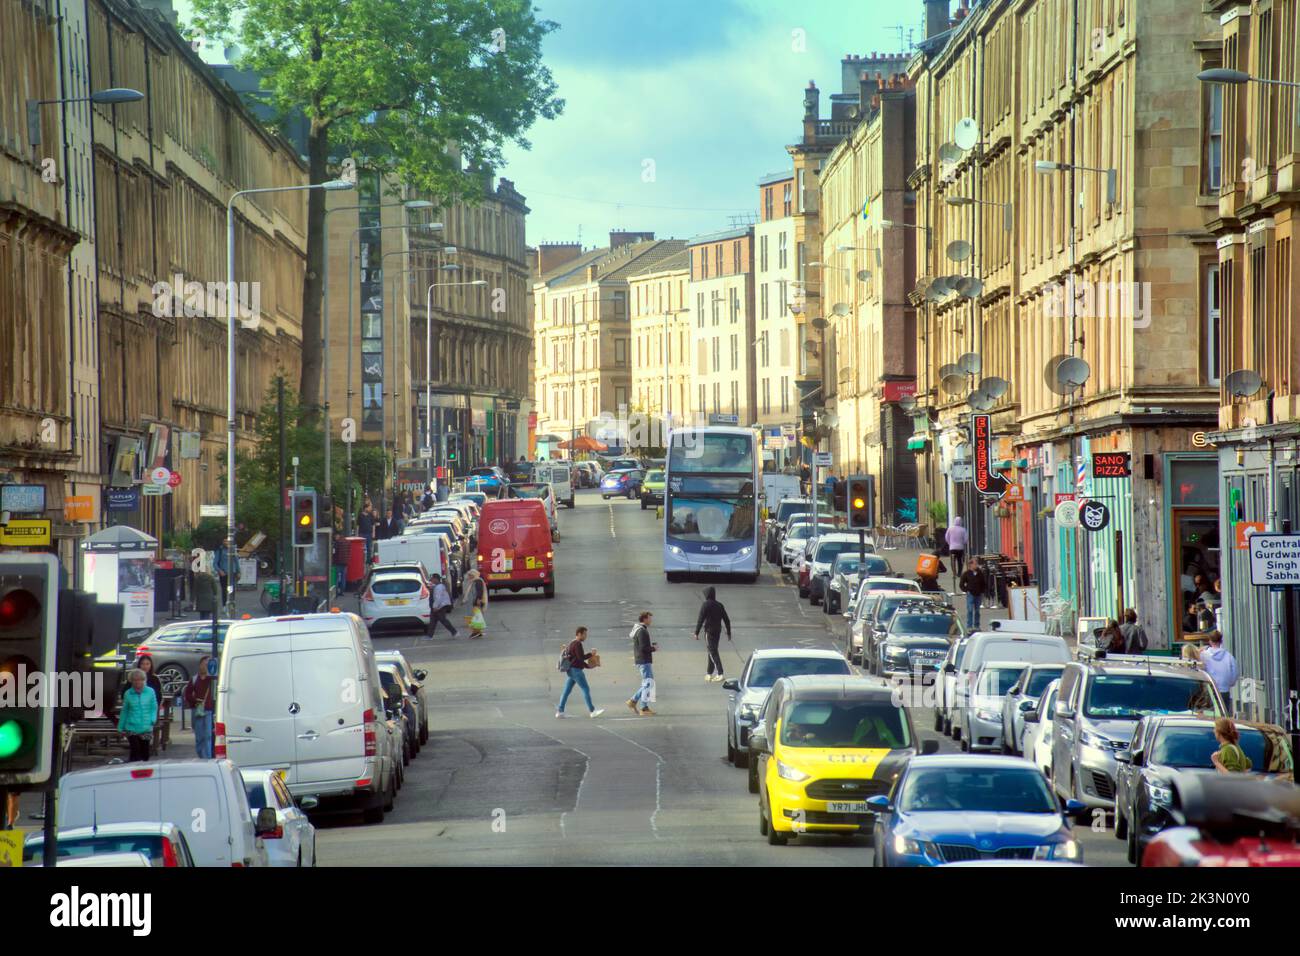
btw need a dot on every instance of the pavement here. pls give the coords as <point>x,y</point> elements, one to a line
<point>503,782</point>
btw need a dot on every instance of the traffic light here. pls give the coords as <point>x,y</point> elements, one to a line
<point>453,447</point>
<point>860,502</point>
<point>29,588</point>
<point>304,519</point>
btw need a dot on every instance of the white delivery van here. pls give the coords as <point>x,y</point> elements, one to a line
<point>429,549</point>
<point>778,487</point>
<point>301,694</point>
<point>1009,643</point>
<point>203,798</point>
<point>559,475</point>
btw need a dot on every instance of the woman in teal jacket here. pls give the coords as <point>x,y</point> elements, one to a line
<point>139,714</point>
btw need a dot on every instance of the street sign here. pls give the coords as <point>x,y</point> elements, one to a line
<point>822,459</point>
<point>987,481</point>
<point>160,476</point>
<point>1067,514</point>
<point>22,499</point>
<point>1094,515</point>
<point>1274,559</point>
<point>26,533</point>
<point>1112,464</point>
<point>1242,531</point>
<point>1014,493</point>
<point>174,480</point>
<point>1062,496</point>
<point>78,507</point>
<point>426,452</point>
<point>719,419</point>
<point>152,491</point>
<point>122,499</point>
<point>212,511</point>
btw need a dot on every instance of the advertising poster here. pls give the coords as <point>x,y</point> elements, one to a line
<point>135,590</point>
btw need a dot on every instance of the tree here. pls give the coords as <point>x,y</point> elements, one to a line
<point>408,86</point>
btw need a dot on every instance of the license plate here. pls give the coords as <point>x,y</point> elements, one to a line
<point>714,568</point>
<point>498,577</point>
<point>396,601</point>
<point>846,806</point>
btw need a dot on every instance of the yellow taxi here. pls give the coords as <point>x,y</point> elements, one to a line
<point>824,746</point>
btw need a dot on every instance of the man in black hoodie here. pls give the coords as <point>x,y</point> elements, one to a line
<point>712,616</point>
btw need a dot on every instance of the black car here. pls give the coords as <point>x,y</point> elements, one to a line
<point>917,641</point>
<point>776,526</point>
<point>890,605</point>
<point>403,706</point>
<point>1162,746</point>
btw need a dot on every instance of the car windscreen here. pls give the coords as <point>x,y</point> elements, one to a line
<point>891,586</point>
<point>188,635</point>
<point>711,519</point>
<point>889,607</point>
<point>148,844</point>
<point>711,453</point>
<point>788,508</point>
<point>1132,695</point>
<point>996,681</point>
<point>395,585</point>
<point>844,724</point>
<point>976,790</point>
<point>1039,679</point>
<point>937,625</point>
<point>828,550</point>
<point>654,476</point>
<point>1191,747</point>
<point>768,670</point>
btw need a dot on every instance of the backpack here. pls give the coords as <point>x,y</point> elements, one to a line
<point>564,664</point>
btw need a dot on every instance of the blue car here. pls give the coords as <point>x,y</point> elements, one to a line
<point>622,484</point>
<point>950,809</point>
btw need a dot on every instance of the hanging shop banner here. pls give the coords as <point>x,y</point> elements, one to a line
<point>1112,464</point>
<point>122,499</point>
<point>987,481</point>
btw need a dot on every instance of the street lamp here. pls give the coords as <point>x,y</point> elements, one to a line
<point>1112,175</point>
<point>103,97</point>
<point>1241,77</point>
<point>330,186</point>
<point>969,201</point>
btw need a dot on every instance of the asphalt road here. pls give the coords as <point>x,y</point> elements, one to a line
<point>503,782</point>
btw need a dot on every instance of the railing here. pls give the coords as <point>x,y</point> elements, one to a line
<point>834,127</point>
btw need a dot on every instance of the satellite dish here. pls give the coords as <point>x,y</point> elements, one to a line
<point>980,401</point>
<point>1243,383</point>
<point>969,363</point>
<point>819,323</point>
<point>949,369</point>
<point>974,286</point>
<point>936,293</point>
<point>842,309</point>
<point>940,284</point>
<point>1049,374</point>
<point>907,404</point>
<point>961,285</point>
<point>953,384</point>
<point>864,275</point>
<point>959,250</point>
<point>994,387</point>
<point>966,134</point>
<point>1072,373</point>
<point>950,153</point>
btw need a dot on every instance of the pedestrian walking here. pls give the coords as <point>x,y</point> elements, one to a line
<point>957,538</point>
<point>439,607</point>
<point>1229,758</point>
<point>1221,666</point>
<point>643,656</point>
<point>712,616</point>
<point>474,589</point>
<point>972,582</point>
<point>138,716</point>
<point>198,697</point>
<point>1135,636</point>
<point>206,600</point>
<point>575,661</point>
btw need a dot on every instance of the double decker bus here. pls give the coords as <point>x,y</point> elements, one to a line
<point>711,502</point>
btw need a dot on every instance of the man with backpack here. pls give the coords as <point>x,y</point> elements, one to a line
<point>574,660</point>
<point>643,656</point>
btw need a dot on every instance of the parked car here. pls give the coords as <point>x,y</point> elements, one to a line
<point>775,525</point>
<point>981,718</point>
<point>878,582</point>
<point>1162,747</point>
<point>163,844</point>
<point>171,790</point>
<point>875,626</point>
<point>402,704</point>
<point>748,693</point>
<point>559,475</point>
<point>514,546</point>
<point>795,541</point>
<point>280,707</point>
<point>293,841</point>
<point>652,489</point>
<point>860,623</point>
<point>624,483</point>
<point>478,497</point>
<point>917,640</point>
<point>845,573</point>
<point>1021,698</point>
<point>432,549</point>
<point>486,478</point>
<point>396,600</point>
<point>1037,741</point>
<point>414,678</point>
<point>946,684</point>
<point>829,547</point>
<point>176,649</point>
<point>1097,709</point>
<point>825,746</point>
<point>949,809</point>
<point>1228,820</point>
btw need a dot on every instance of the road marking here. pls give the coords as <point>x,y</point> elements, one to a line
<point>659,766</point>
<point>611,522</point>
<point>586,768</point>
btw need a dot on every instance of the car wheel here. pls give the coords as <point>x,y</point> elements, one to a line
<point>742,758</point>
<point>392,794</point>
<point>172,678</point>
<point>374,811</point>
<point>548,589</point>
<point>643,504</point>
<point>965,746</point>
<point>731,753</point>
<point>938,721</point>
<point>1121,825</point>
<point>774,838</point>
<point>753,777</point>
<point>1132,847</point>
<point>424,732</point>
<point>762,821</point>
<point>955,732</point>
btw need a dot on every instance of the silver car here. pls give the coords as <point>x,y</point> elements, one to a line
<point>764,668</point>
<point>918,640</point>
<point>845,574</point>
<point>981,720</point>
<point>415,677</point>
<point>1024,696</point>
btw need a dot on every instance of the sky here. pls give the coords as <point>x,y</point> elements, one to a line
<point>675,108</point>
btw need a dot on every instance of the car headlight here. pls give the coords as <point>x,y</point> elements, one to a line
<point>985,713</point>
<point>786,772</point>
<point>907,846</point>
<point>675,550</point>
<point>1160,796</point>
<point>1065,850</point>
<point>745,550</point>
<point>1090,739</point>
<point>895,653</point>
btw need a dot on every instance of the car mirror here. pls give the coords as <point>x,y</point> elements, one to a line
<point>1026,705</point>
<point>421,675</point>
<point>265,822</point>
<point>930,746</point>
<point>308,803</point>
<point>1031,716</point>
<point>1123,756</point>
<point>758,740</point>
<point>880,801</point>
<point>1063,712</point>
<point>1075,806</point>
<point>949,668</point>
<point>731,685</point>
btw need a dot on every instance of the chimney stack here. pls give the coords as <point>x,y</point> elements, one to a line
<point>867,88</point>
<point>552,255</point>
<point>937,18</point>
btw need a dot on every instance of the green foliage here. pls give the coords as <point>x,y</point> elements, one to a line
<point>210,533</point>
<point>938,512</point>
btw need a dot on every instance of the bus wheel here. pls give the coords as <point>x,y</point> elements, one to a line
<point>672,576</point>
<point>753,578</point>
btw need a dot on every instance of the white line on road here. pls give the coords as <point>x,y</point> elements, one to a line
<point>586,768</point>
<point>611,522</point>
<point>659,767</point>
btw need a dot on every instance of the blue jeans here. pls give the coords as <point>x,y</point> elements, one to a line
<point>577,676</point>
<point>642,695</point>
<point>203,736</point>
<point>973,611</point>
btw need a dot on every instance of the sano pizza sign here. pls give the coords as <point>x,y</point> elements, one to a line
<point>987,481</point>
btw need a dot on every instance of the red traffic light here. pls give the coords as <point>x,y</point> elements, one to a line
<point>18,607</point>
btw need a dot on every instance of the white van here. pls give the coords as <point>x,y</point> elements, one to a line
<point>1014,641</point>
<point>203,798</point>
<point>559,475</point>
<point>429,549</point>
<point>301,694</point>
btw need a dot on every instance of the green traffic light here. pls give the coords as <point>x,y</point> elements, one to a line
<point>11,738</point>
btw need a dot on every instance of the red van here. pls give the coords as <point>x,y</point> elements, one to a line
<point>514,545</point>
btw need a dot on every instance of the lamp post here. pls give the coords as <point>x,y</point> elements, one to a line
<point>1241,77</point>
<point>325,338</point>
<point>970,201</point>
<point>104,97</point>
<point>331,186</point>
<point>1111,174</point>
